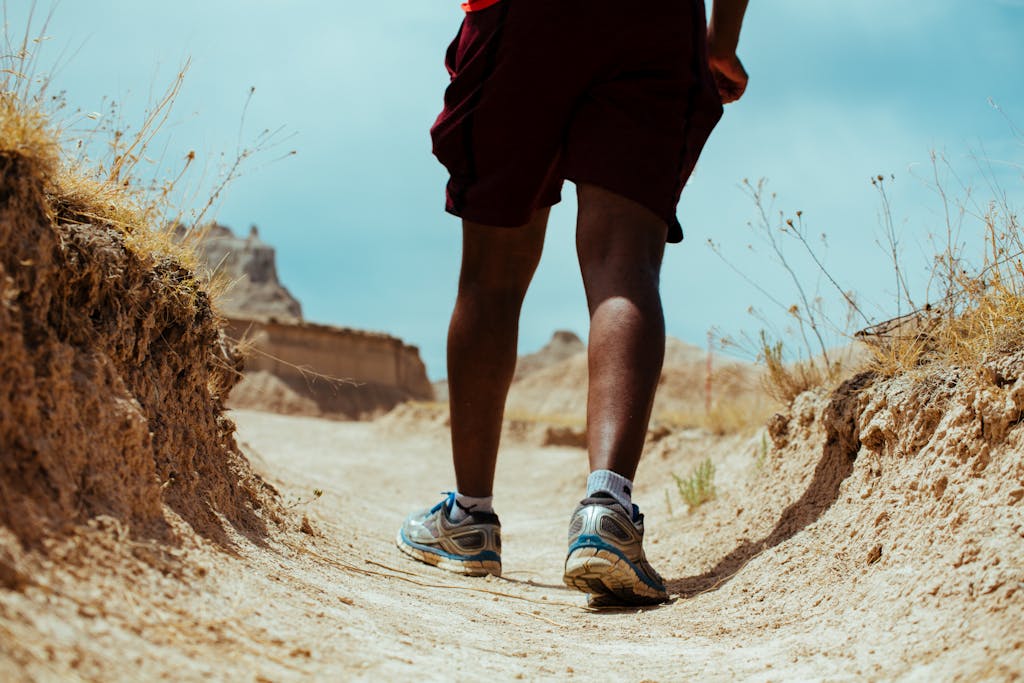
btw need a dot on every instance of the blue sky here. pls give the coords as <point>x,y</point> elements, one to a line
<point>839,92</point>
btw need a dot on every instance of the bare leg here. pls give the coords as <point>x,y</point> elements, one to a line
<point>620,246</point>
<point>497,266</point>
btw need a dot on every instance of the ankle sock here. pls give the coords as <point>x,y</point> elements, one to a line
<point>614,484</point>
<point>462,505</point>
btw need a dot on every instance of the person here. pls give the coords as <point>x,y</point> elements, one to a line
<point>618,98</point>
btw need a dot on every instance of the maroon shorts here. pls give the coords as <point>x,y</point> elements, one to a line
<point>612,93</point>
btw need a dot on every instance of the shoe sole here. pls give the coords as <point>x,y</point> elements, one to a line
<point>464,567</point>
<point>603,573</point>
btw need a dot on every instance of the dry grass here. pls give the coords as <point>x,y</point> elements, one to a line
<point>550,419</point>
<point>785,380</point>
<point>978,311</point>
<point>27,139</point>
<point>78,191</point>
<point>25,133</point>
<point>981,313</point>
<point>122,186</point>
<point>432,406</point>
<point>739,415</point>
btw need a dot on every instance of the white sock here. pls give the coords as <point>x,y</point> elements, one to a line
<point>463,505</point>
<point>616,485</point>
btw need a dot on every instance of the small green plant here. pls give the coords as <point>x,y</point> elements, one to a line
<point>699,487</point>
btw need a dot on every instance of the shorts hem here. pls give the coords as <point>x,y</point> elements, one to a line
<point>494,219</point>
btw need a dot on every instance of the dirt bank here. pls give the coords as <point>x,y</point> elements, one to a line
<point>113,371</point>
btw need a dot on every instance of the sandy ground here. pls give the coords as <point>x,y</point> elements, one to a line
<point>408,620</point>
<point>339,602</point>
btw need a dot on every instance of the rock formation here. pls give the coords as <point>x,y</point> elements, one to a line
<point>326,371</point>
<point>296,367</point>
<point>564,344</point>
<point>248,265</point>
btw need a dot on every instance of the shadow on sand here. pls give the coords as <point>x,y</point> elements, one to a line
<point>842,441</point>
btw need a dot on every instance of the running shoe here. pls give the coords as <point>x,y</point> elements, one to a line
<point>471,547</point>
<point>606,555</point>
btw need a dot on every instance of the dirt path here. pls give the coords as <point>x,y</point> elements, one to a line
<point>390,617</point>
<point>408,620</point>
<point>778,578</point>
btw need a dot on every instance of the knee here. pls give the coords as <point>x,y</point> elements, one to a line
<point>492,292</point>
<point>617,239</point>
<point>611,268</point>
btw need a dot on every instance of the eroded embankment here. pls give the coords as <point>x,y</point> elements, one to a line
<point>113,372</point>
<point>887,511</point>
<point>937,482</point>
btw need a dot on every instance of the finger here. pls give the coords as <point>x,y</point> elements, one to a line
<point>728,89</point>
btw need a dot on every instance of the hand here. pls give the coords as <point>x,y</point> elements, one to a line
<point>730,76</point>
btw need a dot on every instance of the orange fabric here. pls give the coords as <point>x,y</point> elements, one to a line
<point>474,5</point>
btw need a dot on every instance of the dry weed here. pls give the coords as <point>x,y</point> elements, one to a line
<point>785,381</point>
<point>816,333</point>
<point>736,416</point>
<point>113,188</point>
<point>980,310</point>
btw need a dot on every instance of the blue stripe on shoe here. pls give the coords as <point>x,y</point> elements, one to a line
<point>592,541</point>
<point>485,556</point>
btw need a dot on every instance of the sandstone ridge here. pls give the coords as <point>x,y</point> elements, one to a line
<point>249,265</point>
<point>296,367</point>
<point>320,370</point>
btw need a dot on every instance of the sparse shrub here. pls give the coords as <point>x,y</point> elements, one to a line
<point>699,487</point>
<point>97,169</point>
<point>817,334</point>
<point>980,310</point>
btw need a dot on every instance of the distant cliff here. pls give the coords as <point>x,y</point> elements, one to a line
<point>297,367</point>
<point>248,264</point>
<point>319,370</point>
